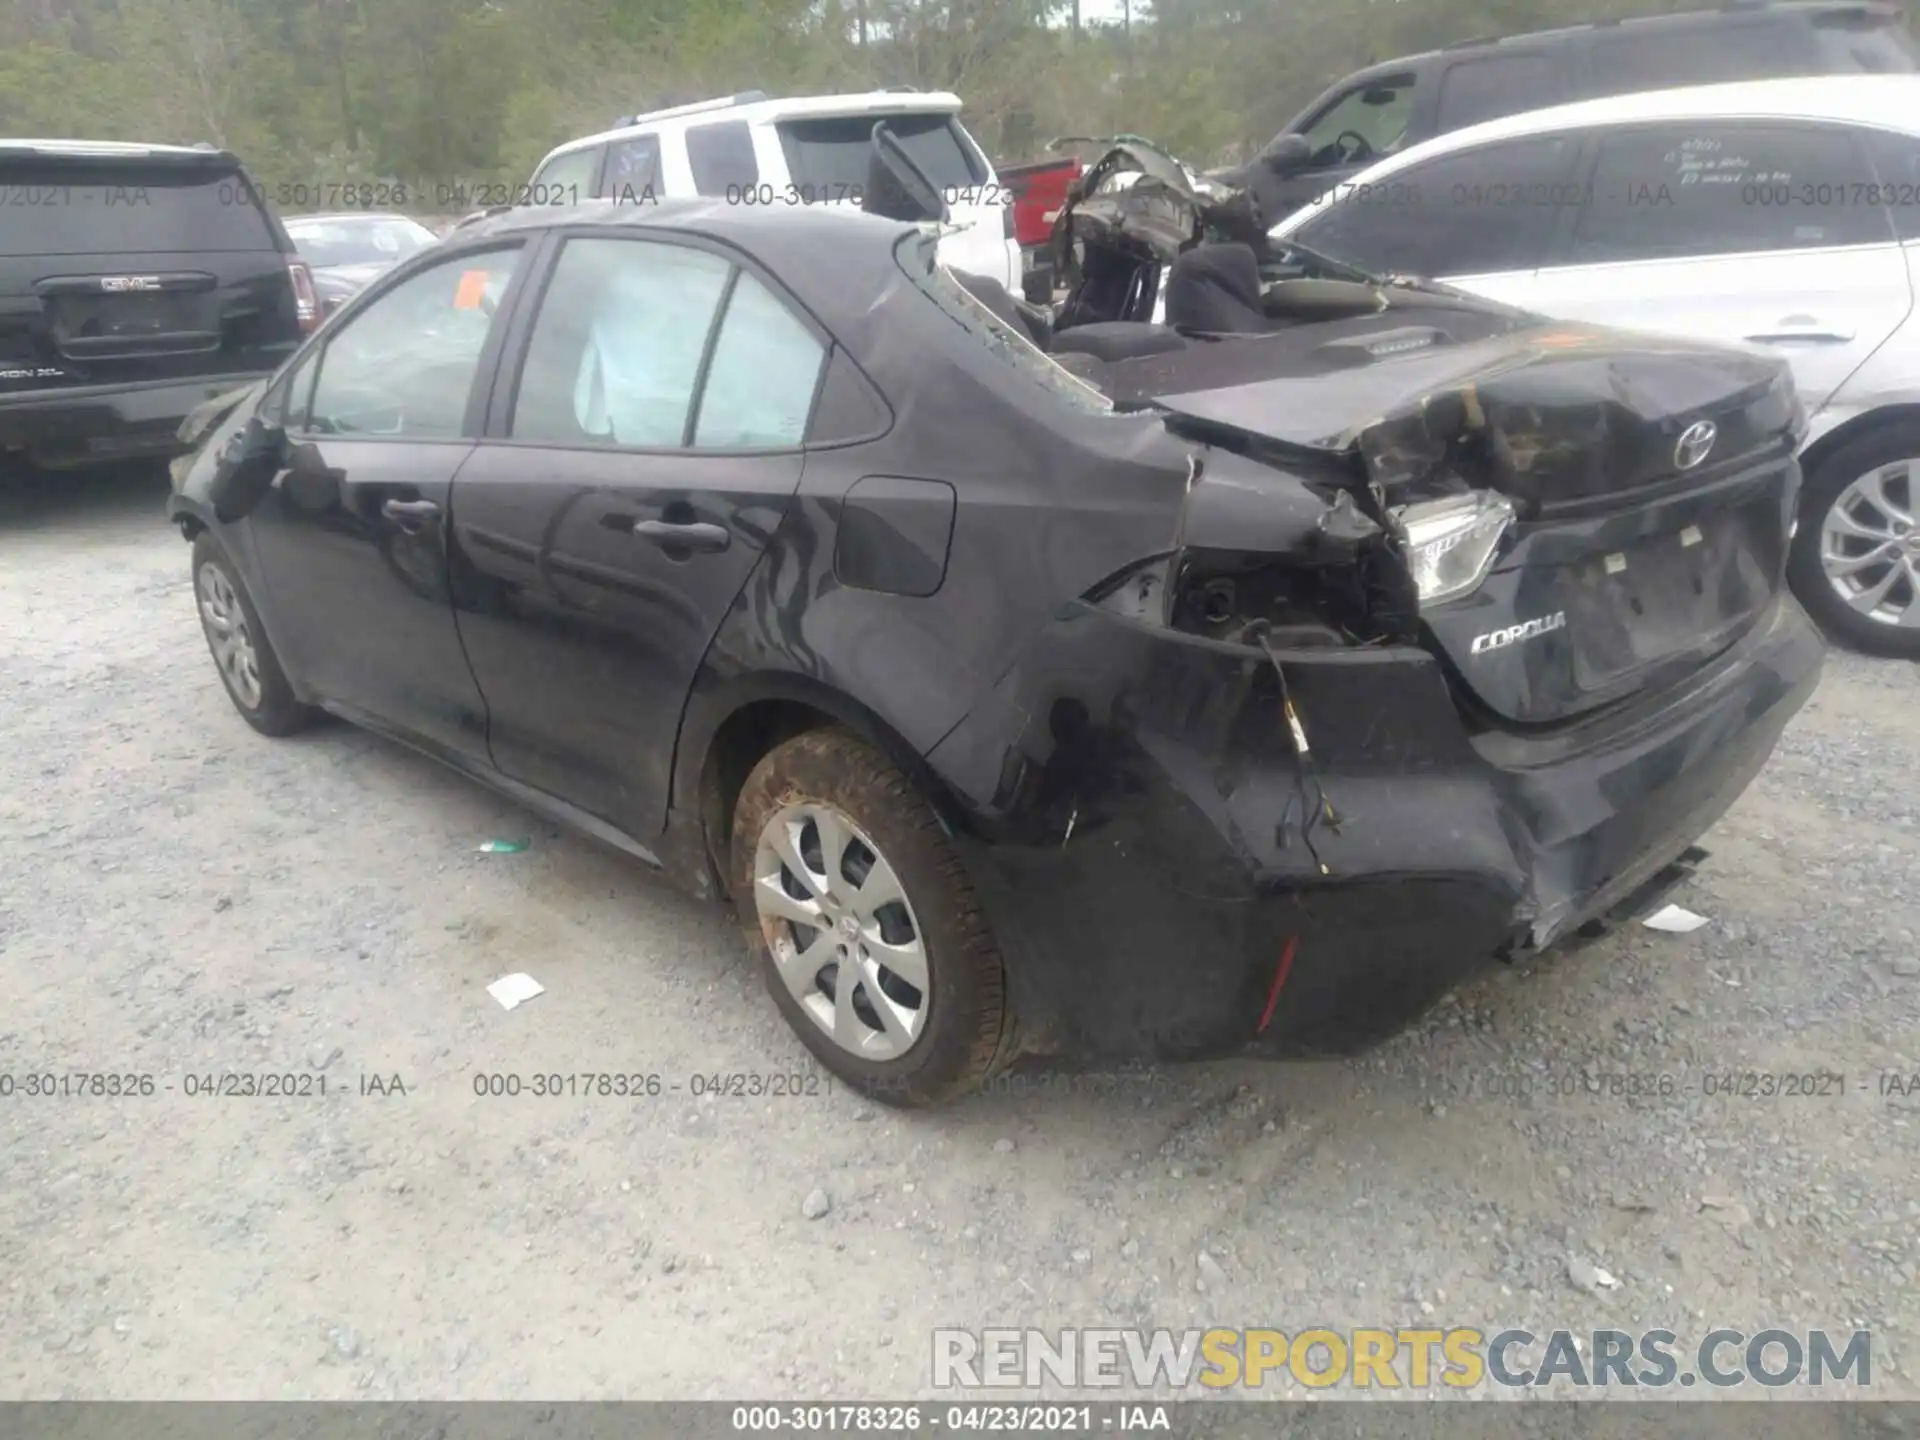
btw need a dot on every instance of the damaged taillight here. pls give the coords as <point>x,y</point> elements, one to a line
<point>1452,543</point>
<point>1289,558</point>
<point>306,301</point>
<point>1291,602</point>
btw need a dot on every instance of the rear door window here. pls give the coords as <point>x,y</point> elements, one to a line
<point>827,155</point>
<point>1665,191</point>
<point>762,377</point>
<point>633,170</point>
<point>51,206</point>
<point>1663,57</point>
<point>1475,212</point>
<point>625,353</point>
<point>721,158</point>
<point>616,350</point>
<point>1476,90</point>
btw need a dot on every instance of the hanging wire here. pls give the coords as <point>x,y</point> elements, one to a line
<point>1316,808</point>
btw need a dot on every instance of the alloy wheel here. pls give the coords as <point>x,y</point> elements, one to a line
<point>1870,549</point>
<point>843,935</point>
<point>225,622</point>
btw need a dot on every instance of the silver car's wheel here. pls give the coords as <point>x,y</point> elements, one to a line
<point>1869,548</point>
<point>229,636</point>
<point>842,933</point>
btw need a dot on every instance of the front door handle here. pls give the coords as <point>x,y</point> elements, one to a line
<point>707,539</point>
<point>1807,334</point>
<point>412,516</point>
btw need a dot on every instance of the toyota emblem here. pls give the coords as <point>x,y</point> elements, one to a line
<point>1696,443</point>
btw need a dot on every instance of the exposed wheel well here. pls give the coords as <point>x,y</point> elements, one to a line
<point>1815,455</point>
<point>746,735</point>
<point>756,727</point>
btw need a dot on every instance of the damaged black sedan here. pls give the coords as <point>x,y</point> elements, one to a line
<point>1222,692</point>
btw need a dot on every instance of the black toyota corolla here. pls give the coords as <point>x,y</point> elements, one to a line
<point>1232,694</point>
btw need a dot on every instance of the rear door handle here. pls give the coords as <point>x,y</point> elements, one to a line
<point>707,539</point>
<point>412,516</point>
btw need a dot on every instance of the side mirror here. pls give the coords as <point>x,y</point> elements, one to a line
<point>1287,155</point>
<point>897,188</point>
<point>246,467</point>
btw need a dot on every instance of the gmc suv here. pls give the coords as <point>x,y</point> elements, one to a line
<point>136,282</point>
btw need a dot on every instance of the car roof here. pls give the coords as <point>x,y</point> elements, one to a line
<point>748,226</point>
<point>768,112</point>
<point>1887,102</point>
<point>337,216</point>
<point>1735,13</point>
<point>112,149</point>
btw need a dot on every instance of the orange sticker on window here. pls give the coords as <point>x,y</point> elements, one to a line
<point>472,290</point>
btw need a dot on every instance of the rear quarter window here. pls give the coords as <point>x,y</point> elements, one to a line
<point>829,153</point>
<point>54,207</point>
<point>721,158</point>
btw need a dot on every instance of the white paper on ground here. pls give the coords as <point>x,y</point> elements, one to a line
<point>1674,920</point>
<point>510,990</point>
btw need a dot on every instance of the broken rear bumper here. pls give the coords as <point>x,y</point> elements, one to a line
<point>1128,804</point>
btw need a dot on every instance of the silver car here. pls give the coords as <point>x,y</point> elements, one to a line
<point>347,252</point>
<point>1778,213</point>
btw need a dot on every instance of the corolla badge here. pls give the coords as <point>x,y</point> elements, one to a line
<point>1515,634</point>
<point>1696,443</point>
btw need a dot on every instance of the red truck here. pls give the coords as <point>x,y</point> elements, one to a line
<point>1039,190</point>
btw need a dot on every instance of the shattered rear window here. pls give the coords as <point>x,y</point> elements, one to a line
<point>917,257</point>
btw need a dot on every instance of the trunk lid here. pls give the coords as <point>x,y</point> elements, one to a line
<point>1652,481</point>
<point>127,267</point>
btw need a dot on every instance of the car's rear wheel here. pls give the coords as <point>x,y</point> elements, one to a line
<point>241,653</point>
<point>1856,560</point>
<point>872,941</point>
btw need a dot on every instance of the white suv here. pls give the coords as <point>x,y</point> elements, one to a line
<point>1782,213</point>
<point>749,150</point>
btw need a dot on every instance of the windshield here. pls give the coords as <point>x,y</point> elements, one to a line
<point>918,257</point>
<point>374,240</point>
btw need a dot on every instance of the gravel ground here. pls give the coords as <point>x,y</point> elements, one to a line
<point>184,898</point>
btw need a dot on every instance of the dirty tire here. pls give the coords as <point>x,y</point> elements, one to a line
<point>968,1033</point>
<point>1822,487</point>
<point>277,712</point>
